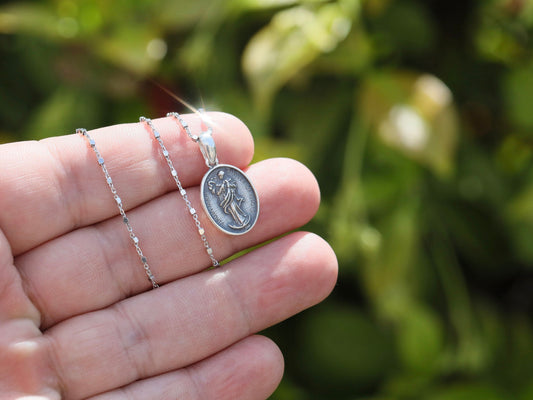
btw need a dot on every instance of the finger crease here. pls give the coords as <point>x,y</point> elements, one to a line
<point>65,176</point>
<point>55,365</point>
<point>103,242</point>
<point>237,299</point>
<point>194,382</point>
<point>135,341</point>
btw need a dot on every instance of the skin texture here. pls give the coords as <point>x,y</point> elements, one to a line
<point>78,318</point>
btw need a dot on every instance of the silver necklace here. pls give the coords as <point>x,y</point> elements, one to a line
<point>118,201</point>
<point>228,196</point>
<point>182,191</point>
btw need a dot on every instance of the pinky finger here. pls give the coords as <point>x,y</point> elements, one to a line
<point>249,370</point>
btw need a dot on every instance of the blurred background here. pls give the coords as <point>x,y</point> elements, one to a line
<point>416,117</point>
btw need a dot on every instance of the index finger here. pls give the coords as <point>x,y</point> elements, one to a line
<point>51,187</point>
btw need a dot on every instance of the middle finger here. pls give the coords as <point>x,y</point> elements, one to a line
<point>96,266</point>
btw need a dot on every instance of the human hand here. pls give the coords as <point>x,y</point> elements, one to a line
<point>77,316</point>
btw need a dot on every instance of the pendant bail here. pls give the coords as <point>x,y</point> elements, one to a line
<point>207,143</point>
<point>208,148</point>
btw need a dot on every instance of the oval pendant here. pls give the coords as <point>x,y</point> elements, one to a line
<point>229,199</point>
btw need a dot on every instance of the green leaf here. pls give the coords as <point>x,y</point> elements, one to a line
<point>128,49</point>
<point>405,27</point>
<point>343,350</point>
<point>66,110</point>
<point>472,391</point>
<point>420,339</point>
<point>293,40</point>
<point>519,96</point>
<point>29,18</point>
<point>414,114</point>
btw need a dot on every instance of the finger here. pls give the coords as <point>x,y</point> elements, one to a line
<point>248,370</point>
<point>14,304</point>
<point>192,318</point>
<point>50,187</point>
<point>23,365</point>
<point>103,267</point>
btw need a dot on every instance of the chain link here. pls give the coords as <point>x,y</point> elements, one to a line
<point>185,125</point>
<point>182,191</point>
<point>118,201</point>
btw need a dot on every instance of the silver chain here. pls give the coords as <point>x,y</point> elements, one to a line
<point>118,201</point>
<point>182,191</point>
<point>185,125</point>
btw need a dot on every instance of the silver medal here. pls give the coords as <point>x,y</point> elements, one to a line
<point>228,196</point>
<point>229,199</point>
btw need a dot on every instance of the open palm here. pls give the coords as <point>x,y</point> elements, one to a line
<point>78,318</point>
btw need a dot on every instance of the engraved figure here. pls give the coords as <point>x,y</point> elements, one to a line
<point>230,202</point>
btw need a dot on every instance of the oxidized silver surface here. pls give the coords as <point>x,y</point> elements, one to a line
<point>230,199</point>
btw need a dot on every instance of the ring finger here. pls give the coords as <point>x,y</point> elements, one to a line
<point>192,318</point>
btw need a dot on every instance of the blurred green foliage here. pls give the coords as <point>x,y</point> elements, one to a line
<point>416,117</point>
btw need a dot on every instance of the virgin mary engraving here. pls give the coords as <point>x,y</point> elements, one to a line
<point>229,200</point>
